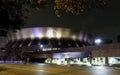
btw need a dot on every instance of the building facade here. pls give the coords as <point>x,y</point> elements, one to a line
<point>58,46</point>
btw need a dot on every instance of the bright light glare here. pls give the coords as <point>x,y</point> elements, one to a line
<point>41,64</point>
<point>100,67</point>
<point>51,33</point>
<point>89,64</point>
<point>41,46</point>
<point>98,41</point>
<point>59,62</point>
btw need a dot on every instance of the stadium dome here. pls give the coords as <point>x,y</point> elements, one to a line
<point>45,39</point>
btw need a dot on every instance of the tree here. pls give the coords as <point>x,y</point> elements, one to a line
<point>12,12</point>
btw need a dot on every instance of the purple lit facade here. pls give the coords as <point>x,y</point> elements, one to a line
<point>50,38</point>
<point>72,54</point>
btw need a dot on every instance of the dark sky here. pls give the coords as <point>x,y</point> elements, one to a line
<point>100,22</point>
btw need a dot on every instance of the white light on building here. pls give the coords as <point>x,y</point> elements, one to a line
<point>98,41</point>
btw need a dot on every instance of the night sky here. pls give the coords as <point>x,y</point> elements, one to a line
<point>103,22</point>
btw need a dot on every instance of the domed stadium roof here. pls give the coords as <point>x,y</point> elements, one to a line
<point>44,38</point>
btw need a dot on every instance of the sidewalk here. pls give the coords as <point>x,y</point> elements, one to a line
<point>12,62</point>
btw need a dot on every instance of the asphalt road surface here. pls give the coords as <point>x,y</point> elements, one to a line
<point>45,69</point>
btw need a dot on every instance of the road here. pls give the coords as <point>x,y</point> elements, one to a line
<point>45,69</point>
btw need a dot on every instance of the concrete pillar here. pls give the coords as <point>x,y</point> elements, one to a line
<point>106,61</point>
<point>51,60</point>
<point>81,59</point>
<point>90,60</point>
<point>28,60</point>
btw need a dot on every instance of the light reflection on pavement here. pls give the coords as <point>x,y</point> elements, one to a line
<point>45,69</point>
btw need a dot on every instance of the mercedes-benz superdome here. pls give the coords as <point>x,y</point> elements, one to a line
<point>46,38</point>
<point>58,45</point>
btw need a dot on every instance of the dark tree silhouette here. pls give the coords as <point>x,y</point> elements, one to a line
<point>12,15</point>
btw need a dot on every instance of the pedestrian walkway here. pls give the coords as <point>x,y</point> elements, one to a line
<point>12,62</point>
